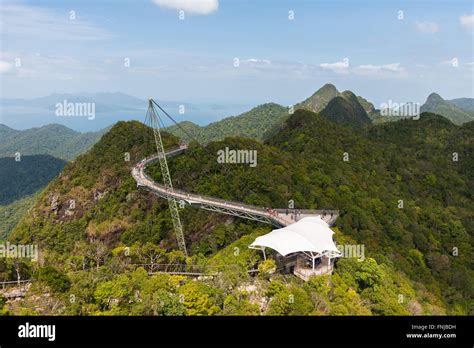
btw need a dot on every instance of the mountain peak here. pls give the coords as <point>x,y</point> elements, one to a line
<point>6,131</point>
<point>345,109</point>
<point>58,126</point>
<point>349,95</point>
<point>5,127</point>
<point>434,97</point>
<point>437,105</point>
<point>328,91</point>
<point>328,87</point>
<point>319,99</point>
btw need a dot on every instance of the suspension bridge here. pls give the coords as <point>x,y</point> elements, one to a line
<point>275,217</point>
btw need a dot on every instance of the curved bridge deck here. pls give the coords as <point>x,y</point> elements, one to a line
<point>275,217</point>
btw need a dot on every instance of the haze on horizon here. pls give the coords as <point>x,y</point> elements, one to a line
<point>245,52</point>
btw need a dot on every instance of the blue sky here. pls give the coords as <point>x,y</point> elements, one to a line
<point>363,46</point>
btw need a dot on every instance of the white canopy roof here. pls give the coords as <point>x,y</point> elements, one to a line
<point>310,234</point>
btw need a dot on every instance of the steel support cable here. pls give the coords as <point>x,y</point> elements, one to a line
<point>226,170</point>
<point>176,123</point>
<point>162,124</point>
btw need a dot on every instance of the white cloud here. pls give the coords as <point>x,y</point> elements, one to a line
<point>50,67</point>
<point>394,67</point>
<point>427,27</point>
<point>338,67</point>
<point>39,23</point>
<point>257,61</point>
<point>198,7</point>
<point>5,66</point>
<point>380,71</point>
<point>467,21</point>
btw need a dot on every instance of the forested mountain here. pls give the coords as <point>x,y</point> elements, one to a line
<point>19,181</point>
<point>251,124</point>
<point>335,106</point>
<point>401,190</point>
<point>6,131</point>
<point>346,109</point>
<point>43,152</point>
<point>11,213</point>
<point>372,112</point>
<point>264,121</point>
<point>435,104</point>
<point>24,177</point>
<point>466,104</point>
<point>320,99</point>
<point>54,139</point>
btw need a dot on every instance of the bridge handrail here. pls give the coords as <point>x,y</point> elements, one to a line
<point>273,216</point>
<point>16,281</point>
<point>185,265</point>
<point>196,195</point>
<point>224,202</point>
<point>308,211</point>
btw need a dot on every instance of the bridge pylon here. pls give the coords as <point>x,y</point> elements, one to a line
<point>154,121</point>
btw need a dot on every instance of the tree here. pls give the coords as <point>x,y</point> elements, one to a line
<point>236,306</point>
<point>198,299</point>
<point>166,303</point>
<point>290,301</point>
<point>98,251</point>
<point>149,254</point>
<point>267,268</point>
<point>368,273</point>
<point>56,280</point>
<point>114,295</point>
<point>3,307</point>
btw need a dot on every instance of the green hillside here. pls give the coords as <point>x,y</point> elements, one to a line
<point>319,99</point>
<point>345,109</point>
<point>400,160</point>
<point>435,104</point>
<point>25,177</point>
<point>11,213</point>
<point>409,249</point>
<point>101,186</point>
<point>265,121</point>
<point>372,112</point>
<point>45,151</point>
<point>6,131</point>
<point>466,104</point>
<point>338,107</point>
<point>19,181</point>
<point>251,124</point>
<point>54,139</point>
